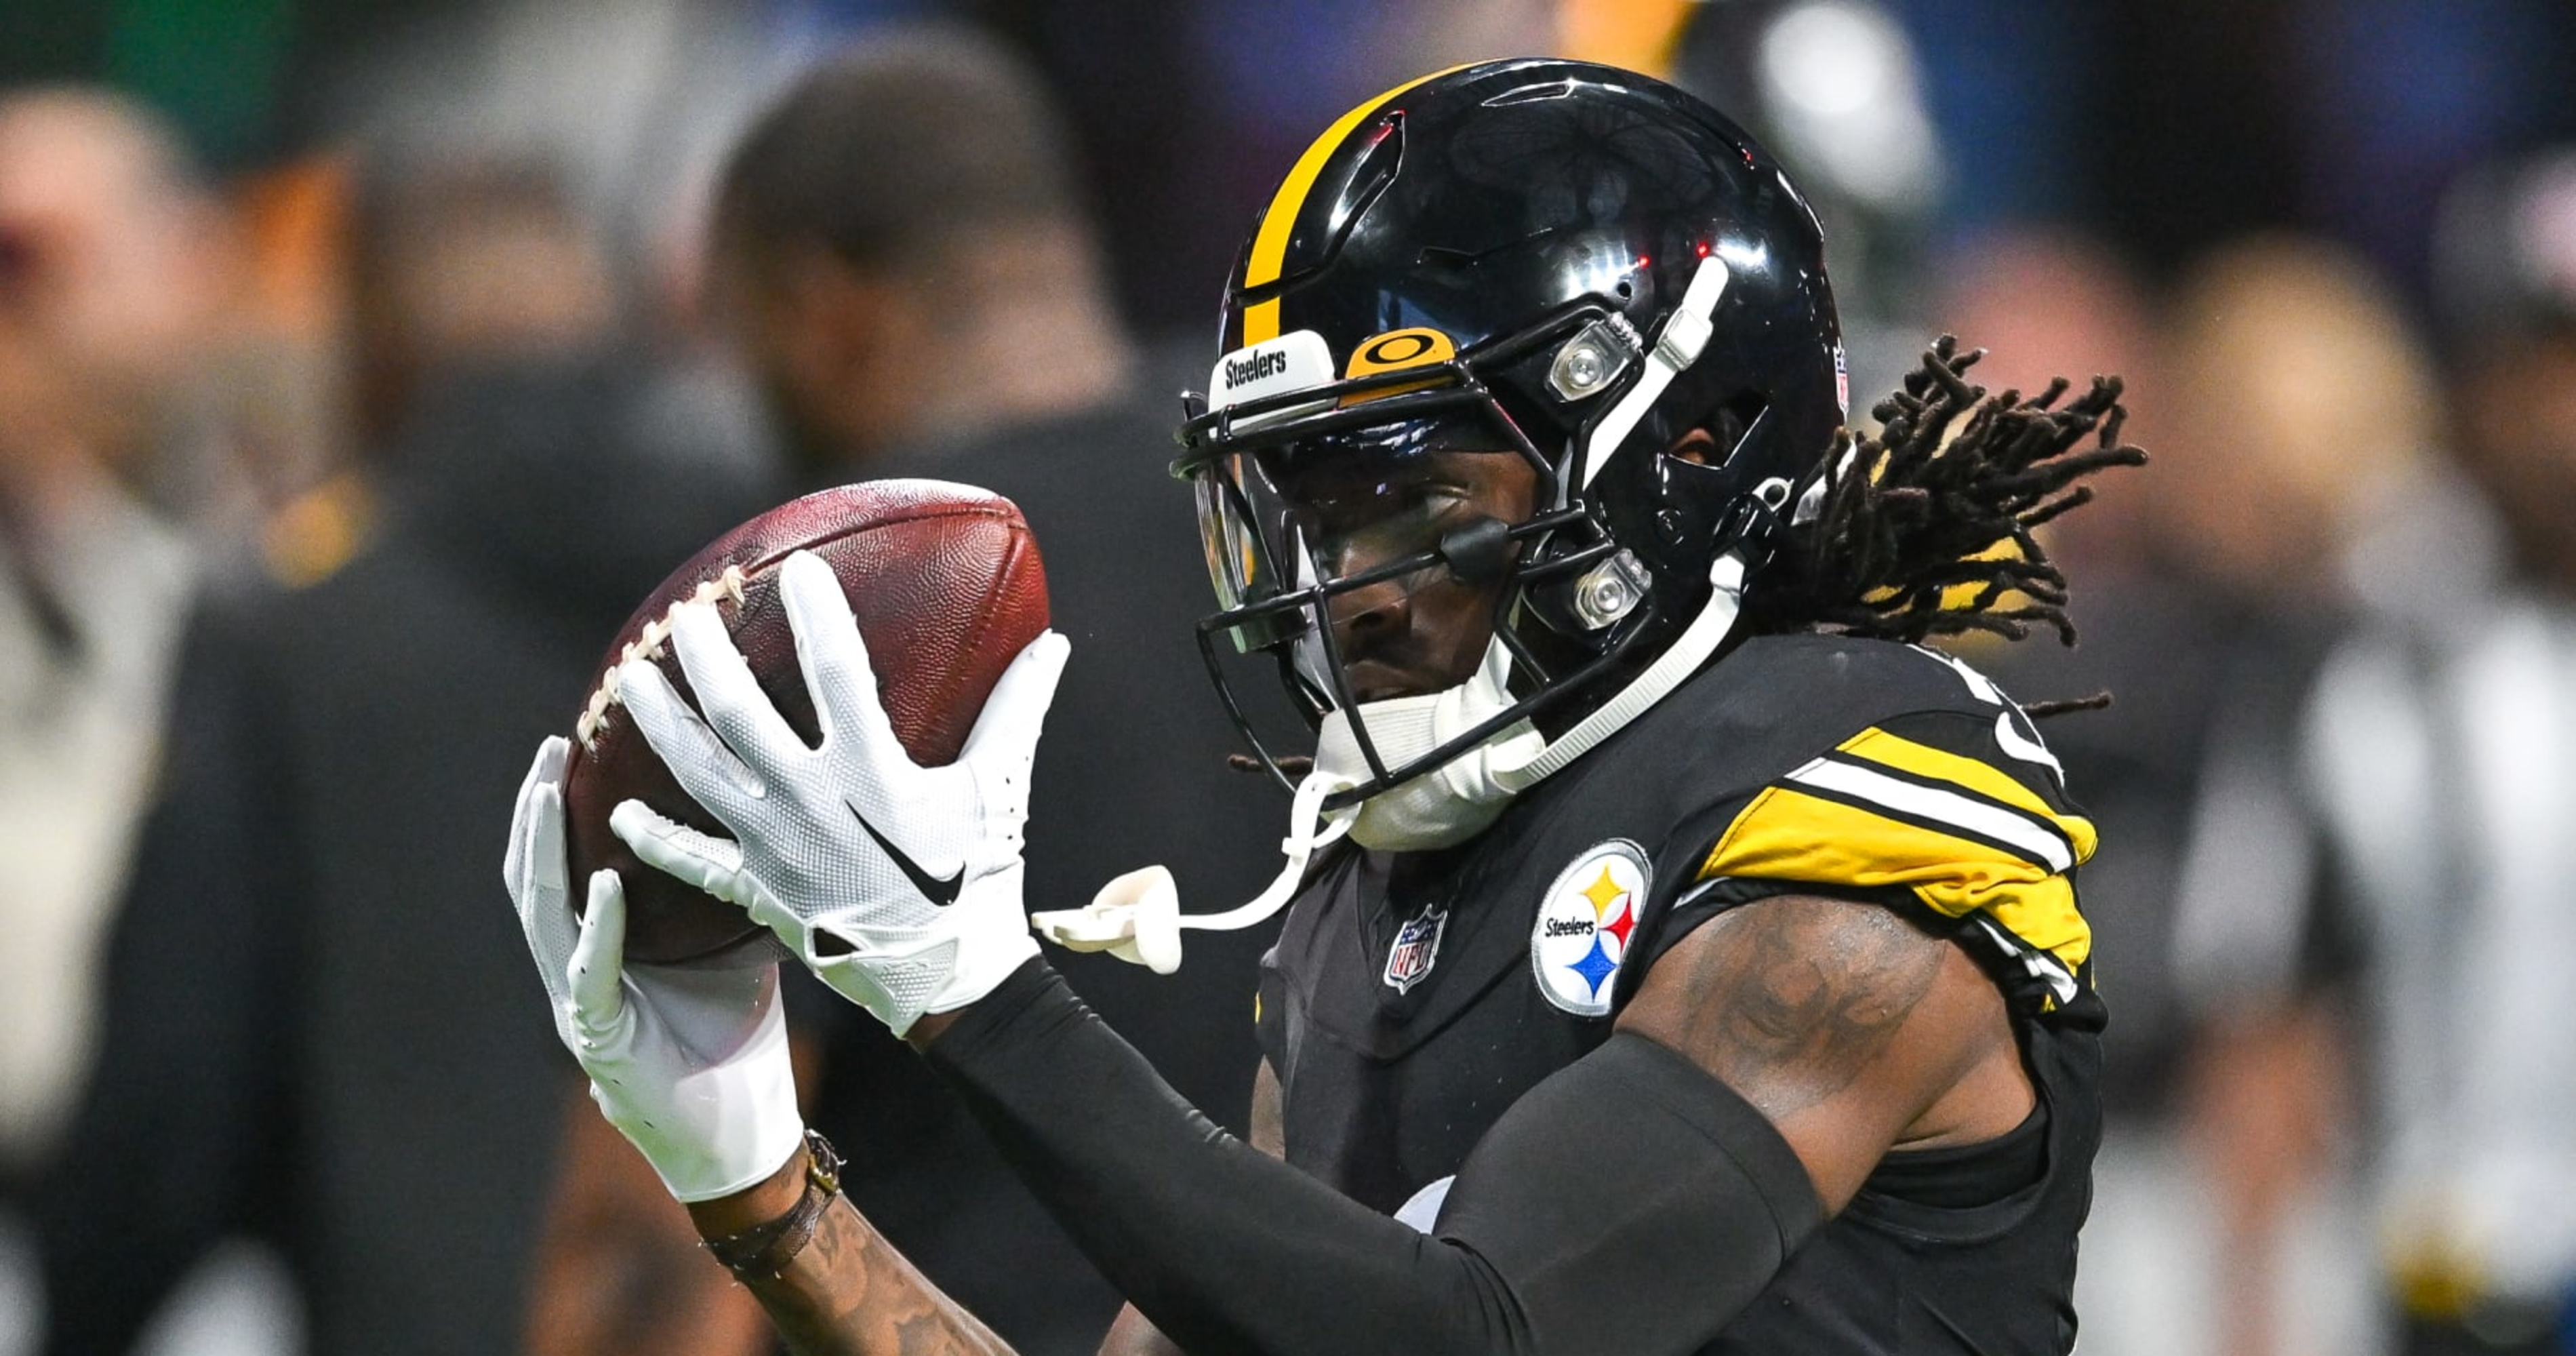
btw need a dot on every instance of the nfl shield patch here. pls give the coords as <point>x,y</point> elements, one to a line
<point>1417,945</point>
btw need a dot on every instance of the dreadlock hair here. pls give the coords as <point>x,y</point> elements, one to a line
<point>1915,515</point>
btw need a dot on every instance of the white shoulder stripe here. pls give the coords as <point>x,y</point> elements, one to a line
<point>1941,807</point>
<point>2036,961</point>
<point>2010,739</point>
<point>1979,685</point>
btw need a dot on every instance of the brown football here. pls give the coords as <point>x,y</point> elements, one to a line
<point>947,587</point>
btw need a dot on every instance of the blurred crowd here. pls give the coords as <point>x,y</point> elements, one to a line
<point>361,365</point>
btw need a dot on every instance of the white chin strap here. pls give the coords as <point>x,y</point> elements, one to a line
<point>1138,917</point>
<point>1452,802</point>
<point>1688,652</point>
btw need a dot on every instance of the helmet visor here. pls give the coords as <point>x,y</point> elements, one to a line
<point>1280,519</point>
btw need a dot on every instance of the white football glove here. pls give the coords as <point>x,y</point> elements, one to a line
<point>690,1064</point>
<point>898,885</point>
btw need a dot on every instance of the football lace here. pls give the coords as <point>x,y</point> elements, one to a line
<point>648,644</point>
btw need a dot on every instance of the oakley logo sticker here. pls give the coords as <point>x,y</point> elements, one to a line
<point>1397,350</point>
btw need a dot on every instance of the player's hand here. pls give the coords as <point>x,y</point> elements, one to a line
<point>691,1065</point>
<point>897,884</point>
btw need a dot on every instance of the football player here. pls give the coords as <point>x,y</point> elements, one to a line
<point>1680,957</point>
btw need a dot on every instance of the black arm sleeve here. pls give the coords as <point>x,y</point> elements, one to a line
<point>1545,1245</point>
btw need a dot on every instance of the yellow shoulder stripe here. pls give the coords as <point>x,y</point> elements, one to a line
<point>1788,833</point>
<point>1270,243</point>
<point>1975,774</point>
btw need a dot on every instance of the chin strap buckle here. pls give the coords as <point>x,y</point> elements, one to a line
<point>1685,336</point>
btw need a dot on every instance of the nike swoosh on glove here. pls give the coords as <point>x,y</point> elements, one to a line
<point>898,885</point>
<point>691,1065</point>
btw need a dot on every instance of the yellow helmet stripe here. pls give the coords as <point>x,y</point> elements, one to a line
<point>1270,244</point>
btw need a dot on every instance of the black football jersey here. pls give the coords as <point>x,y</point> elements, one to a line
<point>1412,998</point>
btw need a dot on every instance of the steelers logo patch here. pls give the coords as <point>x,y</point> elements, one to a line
<point>1584,926</point>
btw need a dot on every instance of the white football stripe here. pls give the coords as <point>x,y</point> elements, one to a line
<point>1941,807</point>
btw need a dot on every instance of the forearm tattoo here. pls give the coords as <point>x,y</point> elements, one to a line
<point>849,1293</point>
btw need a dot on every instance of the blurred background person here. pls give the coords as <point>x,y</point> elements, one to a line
<point>113,270</point>
<point>2308,424</point>
<point>904,260</point>
<point>286,920</point>
<point>2289,407</point>
<point>2442,743</point>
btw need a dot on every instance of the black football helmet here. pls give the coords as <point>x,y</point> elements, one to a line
<point>1566,261</point>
